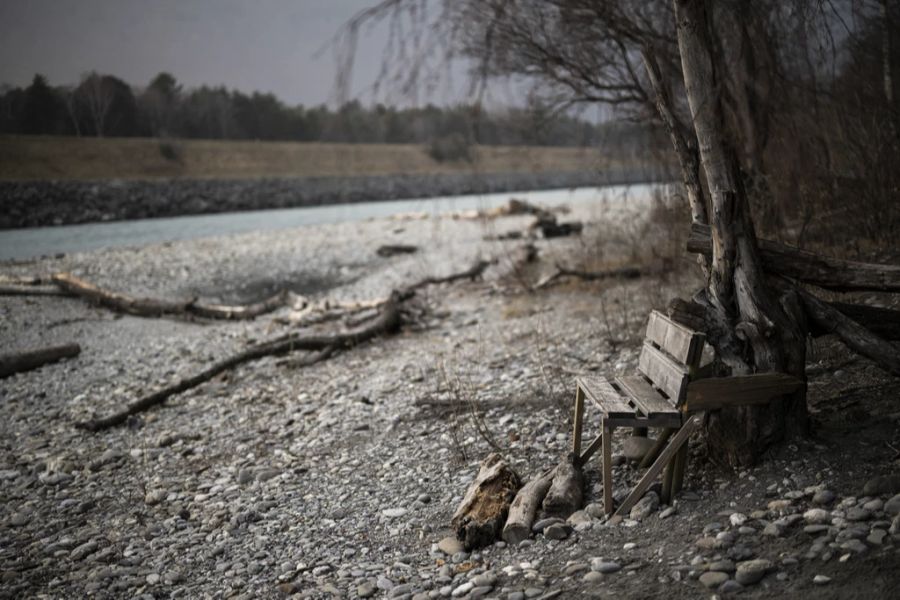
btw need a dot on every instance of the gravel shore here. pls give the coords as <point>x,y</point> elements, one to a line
<point>339,480</point>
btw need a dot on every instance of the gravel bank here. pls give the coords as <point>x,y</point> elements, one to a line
<point>339,480</point>
<point>43,203</point>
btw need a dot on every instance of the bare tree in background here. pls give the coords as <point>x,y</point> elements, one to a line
<point>98,98</point>
<point>730,82</point>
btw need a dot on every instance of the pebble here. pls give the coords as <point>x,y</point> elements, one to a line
<point>450,545</point>
<point>645,506</point>
<point>84,550</point>
<point>730,587</point>
<point>713,579</point>
<point>19,519</point>
<point>635,448</point>
<point>821,579</point>
<point>668,512</point>
<point>605,567</point>
<point>751,571</point>
<point>394,513</point>
<point>858,514</point>
<point>892,506</point>
<point>737,519</point>
<point>817,515</point>
<point>365,590</point>
<point>593,577</point>
<point>823,497</point>
<point>154,497</point>
<point>557,531</point>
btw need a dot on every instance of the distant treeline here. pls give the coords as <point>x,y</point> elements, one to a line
<point>103,105</point>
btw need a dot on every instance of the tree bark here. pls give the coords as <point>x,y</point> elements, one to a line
<point>480,517</point>
<point>751,331</point>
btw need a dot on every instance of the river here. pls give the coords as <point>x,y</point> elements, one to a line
<point>22,244</point>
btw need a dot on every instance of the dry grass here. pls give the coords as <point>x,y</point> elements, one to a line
<point>40,157</point>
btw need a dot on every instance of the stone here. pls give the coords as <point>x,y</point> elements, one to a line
<point>750,572</point>
<point>154,497</point>
<point>558,531</point>
<point>823,497</point>
<point>605,567</point>
<point>84,550</point>
<point>450,545</point>
<point>737,519</point>
<point>19,519</point>
<point>595,510</point>
<point>152,578</point>
<point>668,512</point>
<point>855,546</point>
<point>593,577</point>
<point>883,485</point>
<point>730,587</point>
<point>579,517</point>
<point>636,448</point>
<point>576,568</point>
<point>858,514</point>
<point>874,505</point>
<point>817,515</point>
<point>365,590</point>
<point>726,566</point>
<point>876,538</point>
<point>245,476</point>
<point>645,506</point>
<point>815,529</point>
<point>394,513</point>
<point>713,579</point>
<point>267,474</point>
<point>542,524</point>
<point>892,506</point>
<point>821,580</point>
<point>486,579</point>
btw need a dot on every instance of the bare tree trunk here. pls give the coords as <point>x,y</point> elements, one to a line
<point>752,332</point>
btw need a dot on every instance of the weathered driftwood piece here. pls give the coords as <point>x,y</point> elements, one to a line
<point>718,392</point>
<point>472,273</point>
<point>822,271</point>
<point>153,307</point>
<point>525,507</point>
<point>388,321</point>
<point>388,250</point>
<point>31,290</point>
<point>689,314</point>
<point>566,491</point>
<point>17,362</point>
<point>563,271</point>
<point>480,517</point>
<point>883,322</point>
<point>828,319</point>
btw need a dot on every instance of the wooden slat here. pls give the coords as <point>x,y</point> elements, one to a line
<point>578,421</point>
<point>716,392</point>
<point>685,345</point>
<point>648,400</point>
<point>677,440</point>
<point>666,374</point>
<point>606,441</point>
<point>602,394</point>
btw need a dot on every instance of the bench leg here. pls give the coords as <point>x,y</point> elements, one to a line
<point>677,442</point>
<point>607,468</point>
<point>657,447</point>
<point>578,422</point>
<point>666,497</point>
<point>680,466</point>
<point>589,451</point>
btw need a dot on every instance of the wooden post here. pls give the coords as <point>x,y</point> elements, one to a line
<point>607,468</point>
<point>577,422</point>
<point>657,448</point>
<point>667,482</point>
<point>680,465</point>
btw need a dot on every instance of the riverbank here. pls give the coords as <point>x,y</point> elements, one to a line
<point>340,479</point>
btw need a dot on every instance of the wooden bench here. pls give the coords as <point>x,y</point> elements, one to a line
<point>668,393</point>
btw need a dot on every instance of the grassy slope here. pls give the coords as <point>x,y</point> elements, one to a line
<point>39,157</point>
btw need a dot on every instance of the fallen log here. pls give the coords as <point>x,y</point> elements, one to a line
<point>153,307</point>
<point>480,517</point>
<point>17,362</point>
<point>563,271</point>
<point>883,322</point>
<point>387,321</point>
<point>822,271</point>
<point>566,491</point>
<point>31,290</point>
<point>525,507</point>
<point>828,319</point>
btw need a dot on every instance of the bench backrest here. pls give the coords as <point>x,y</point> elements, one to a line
<point>670,356</point>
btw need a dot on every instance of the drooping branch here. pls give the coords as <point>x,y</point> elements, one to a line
<point>822,271</point>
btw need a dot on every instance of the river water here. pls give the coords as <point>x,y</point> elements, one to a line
<point>20,244</point>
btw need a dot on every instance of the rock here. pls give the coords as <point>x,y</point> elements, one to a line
<point>244,476</point>
<point>602,566</point>
<point>152,578</point>
<point>394,513</point>
<point>821,580</point>
<point>750,572</point>
<point>645,506</point>
<point>737,519</point>
<point>636,448</point>
<point>855,546</point>
<point>815,529</point>
<point>876,538</point>
<point>84,550</point>
<point>874,505</point>
<point>895,526</point>
<point>713,579</point>
<point>858,514</point>
<point>463,589</point>
<point>823,497</point>
<point>450,545</point>
<point>593,577</point>
<point>365,590</point>
<point>780,506</point>
<point>665,514</point>
<point>883,485</point>
<point>558,531</point>
<point>730,587</point>
<point>267,474</point>
<point>579,517</point>
<point>576,568</point>
<point>595,510</point>
<point>543,524</point>
<point>154,497</point>
<point>773,529</point>
<point>817,515</point>
<point>19,519</point>
<point>892,506</point>
<point>726,566</point>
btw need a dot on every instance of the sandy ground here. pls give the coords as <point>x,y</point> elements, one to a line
<point>339,480</point>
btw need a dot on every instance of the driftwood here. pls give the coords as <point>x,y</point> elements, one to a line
<point>387,320</point>
<point>480,517</point>
<point>18,362</point>
<point>525,507</point>
<point>563,271</point>
<point>31,290</point>
<point>883,322</point>
<point>153,307</point>
<point>567,490</point>
<point>822,271</point>
<point>395,249</point>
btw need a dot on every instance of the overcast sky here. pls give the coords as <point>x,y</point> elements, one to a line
<point>265,45</point>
